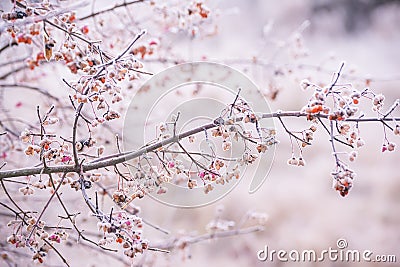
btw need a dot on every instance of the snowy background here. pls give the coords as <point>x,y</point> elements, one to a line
<point>304,211</point>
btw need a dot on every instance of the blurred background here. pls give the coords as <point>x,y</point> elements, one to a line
<point>277,45</point>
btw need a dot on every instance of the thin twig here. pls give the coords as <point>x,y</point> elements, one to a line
<point>45,208</point>
<point>292,134</point>
<point>336,139</point>
<point>192,240</point>
<point>333,145</point>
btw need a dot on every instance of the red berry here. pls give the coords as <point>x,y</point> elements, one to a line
<point>85,29</point>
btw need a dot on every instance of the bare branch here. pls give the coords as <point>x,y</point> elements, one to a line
<point>126,156</point>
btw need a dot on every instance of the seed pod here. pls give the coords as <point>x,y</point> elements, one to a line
<point>48,47</point>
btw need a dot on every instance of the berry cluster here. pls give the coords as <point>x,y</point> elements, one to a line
<point>124,229</point>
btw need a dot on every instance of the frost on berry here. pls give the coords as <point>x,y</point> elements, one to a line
<point>305,84</point>
<point>353,155</point>
<point>391,146</point>
<point>26,190</point>
<point>25,136</point>
<point>343,180</point>
<point>378,102</point>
